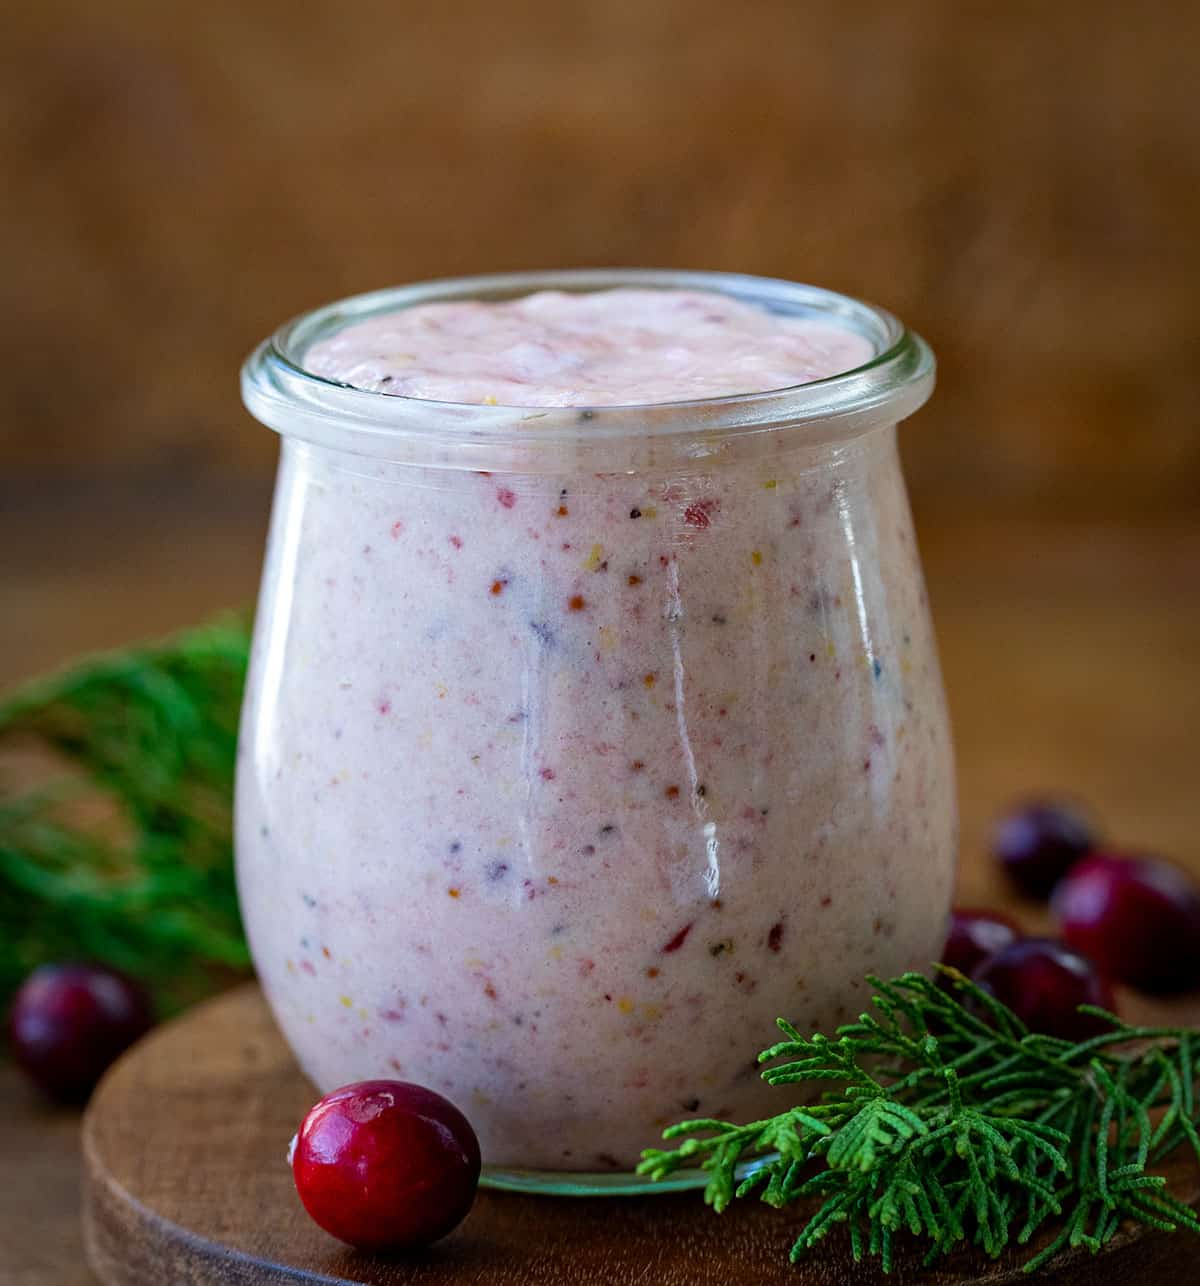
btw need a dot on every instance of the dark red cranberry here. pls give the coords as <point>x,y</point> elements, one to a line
<point>1044,983</point>
<point>1138,918</point>
<point>975,935</point>
<point>70,1021</point>
<point>1039,842</point>
<point>386,1165</point>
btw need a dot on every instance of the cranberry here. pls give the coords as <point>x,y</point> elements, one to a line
<point>70,1021</point>
<point>385,1165</point>
<point>975,935</point>
<point>1137,917</point>
<point>1039,842</point>
<point>1044,983</point>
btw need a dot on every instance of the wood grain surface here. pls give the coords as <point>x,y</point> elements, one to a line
<point>1020,181</point>
<point>41,1240</point>
<point>185,1182</point>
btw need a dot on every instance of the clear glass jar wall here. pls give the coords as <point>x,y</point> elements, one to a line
<point>578,748</point>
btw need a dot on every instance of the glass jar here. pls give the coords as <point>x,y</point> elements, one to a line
<point>578,746</point>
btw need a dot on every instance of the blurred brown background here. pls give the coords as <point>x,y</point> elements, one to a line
<point>1020,181</point>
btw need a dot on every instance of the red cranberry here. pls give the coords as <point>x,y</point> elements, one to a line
<point>1044,983</point>
<point>70,1021</point>
<point>975,935</point>
<point>1039,842</point>
<point>1138,918</point>
<point>385,1165</point>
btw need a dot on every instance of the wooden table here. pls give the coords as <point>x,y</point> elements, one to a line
<point>185,1182</point>
<point>1071,653</point>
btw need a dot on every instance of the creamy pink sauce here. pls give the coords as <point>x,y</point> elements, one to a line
<point>604,348</point>
<point>557,788</point>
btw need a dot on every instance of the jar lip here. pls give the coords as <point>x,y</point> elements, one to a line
<point>281,392</point>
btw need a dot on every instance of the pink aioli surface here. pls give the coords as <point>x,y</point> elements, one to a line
<point>558,789</point>
<point>607,348</point>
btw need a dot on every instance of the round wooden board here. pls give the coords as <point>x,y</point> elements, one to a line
<point>186,1182</point>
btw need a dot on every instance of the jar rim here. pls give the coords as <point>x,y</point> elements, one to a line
<point>282,393</point>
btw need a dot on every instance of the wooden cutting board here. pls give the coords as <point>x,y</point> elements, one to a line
<point>186,1183</point>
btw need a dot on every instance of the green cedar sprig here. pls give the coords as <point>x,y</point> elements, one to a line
<point>116,845</point>
<point>949,1121</point>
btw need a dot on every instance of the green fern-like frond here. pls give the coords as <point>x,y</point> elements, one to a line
<point>941,1118</point>
<point>119,847</point>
